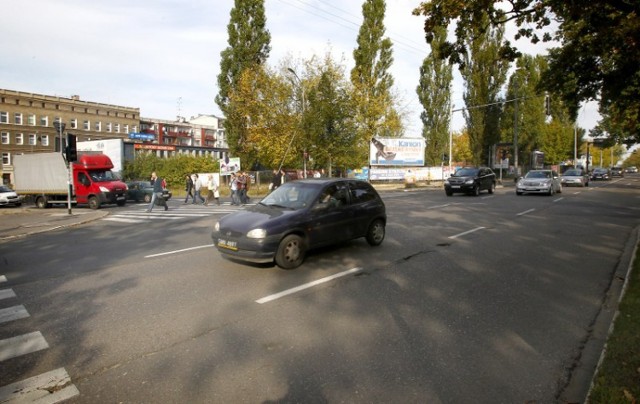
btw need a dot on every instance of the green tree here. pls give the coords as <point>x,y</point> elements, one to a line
<point>249,47</point>
<point>372,82</point>
<point>434,93</point>
<point>484,74</point>
<point>599,55</point>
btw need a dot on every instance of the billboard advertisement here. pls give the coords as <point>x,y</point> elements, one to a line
<point>396,152</point>
<point>229,165</point>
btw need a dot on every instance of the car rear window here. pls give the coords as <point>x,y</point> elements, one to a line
<point>361,192</point>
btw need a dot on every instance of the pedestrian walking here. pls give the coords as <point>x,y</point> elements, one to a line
<point>213,192</point>
<point>188,187</point>
<point>157,193</point>
<point>276,181</point>
<point>242,187</point>
<point>233,185</point>
<point>197,185</point>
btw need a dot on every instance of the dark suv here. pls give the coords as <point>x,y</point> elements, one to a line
<point>470,180</point>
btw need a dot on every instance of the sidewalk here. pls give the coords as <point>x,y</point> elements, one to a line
<point>22,221</point>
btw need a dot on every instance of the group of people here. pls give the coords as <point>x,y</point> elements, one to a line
<point>195,187</point>
<point>239,184</point>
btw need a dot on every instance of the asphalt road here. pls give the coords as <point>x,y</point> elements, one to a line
<point>497,298</point>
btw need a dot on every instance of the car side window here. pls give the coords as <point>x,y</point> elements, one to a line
<point>361,192</point>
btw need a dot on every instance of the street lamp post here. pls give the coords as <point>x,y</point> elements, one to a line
<point>304,152</point>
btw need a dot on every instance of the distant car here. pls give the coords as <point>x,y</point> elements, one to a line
<point>471,180</point>
<point>8,197</point>
<point>617,172</point>
<point>143,191</point>
<point>539,182</point>
<point>600,174</point>
<point>301,215</point>
<point>575,177</point>
<point>631,169</point>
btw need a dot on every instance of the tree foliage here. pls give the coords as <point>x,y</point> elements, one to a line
<point>249,47</point>
<point>371,80</point>
<point>172,169</point>
<point>598,57</point>
<point>434,93</point>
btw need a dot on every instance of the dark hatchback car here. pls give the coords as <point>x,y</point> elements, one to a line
<point>601,174</point>
<point>471,180</point>
<point>142,191</point>
<point>299,216</point>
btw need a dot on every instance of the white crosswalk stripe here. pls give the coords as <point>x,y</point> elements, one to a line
<point>141,216</point>
<point>47,388</point>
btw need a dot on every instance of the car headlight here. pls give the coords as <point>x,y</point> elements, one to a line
<point>216,226</point>
<point>257,233</point>
<point>104,189</point>
<point>469,182</point>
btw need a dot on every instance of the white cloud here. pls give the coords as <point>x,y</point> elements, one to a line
<point>163,56</point>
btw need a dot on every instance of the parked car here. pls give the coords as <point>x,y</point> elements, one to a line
<point>539,182</point>
<point>8,197</point>
<point>299,216</point>
<point>631,169</point>
<point>617,172</point>
<point>143,191</point>
<point>470,180</point>
<point>601,174</point>
<point>575,177</point>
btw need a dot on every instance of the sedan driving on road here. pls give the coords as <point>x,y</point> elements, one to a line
<point>471,180</point>
<point>575,177</point>
<point>539,182</point>
<point>301,215</point>
<point>600,174</point>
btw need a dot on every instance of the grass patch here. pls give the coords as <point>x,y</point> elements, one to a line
<point>618,378</point>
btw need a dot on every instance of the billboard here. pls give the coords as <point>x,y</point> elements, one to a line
<point>229,165</point>
<point>396,151</point>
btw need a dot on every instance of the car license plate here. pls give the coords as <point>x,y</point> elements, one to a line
<point>230,245</point>
<point>455,186</point>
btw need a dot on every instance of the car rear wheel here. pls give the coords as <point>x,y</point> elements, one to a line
<point>375,233</point>
<point>492,187</point>
<point>290,252</point>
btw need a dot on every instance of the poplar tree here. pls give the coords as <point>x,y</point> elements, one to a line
<point>371,79</point>
<point>249,47</point>
<point>434,93</point>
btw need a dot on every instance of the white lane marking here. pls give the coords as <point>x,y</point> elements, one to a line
<point>559,199</point>
<point>22,345</point>
<point>525,212</point>
<point>467,232</point>
<point>439,206</point>
<point>7,293</point>
<point>3,278</point>
<point>276,296</point>
<point>13,313</point>
<point>48,388</point>
<point>122,220</point>
<point>178,251</point>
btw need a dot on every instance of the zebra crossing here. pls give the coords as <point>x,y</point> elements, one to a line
<point>140,215</point>
<point>51,387</point>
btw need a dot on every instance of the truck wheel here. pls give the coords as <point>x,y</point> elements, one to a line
<point>94,203</point>
<point>41,202</point>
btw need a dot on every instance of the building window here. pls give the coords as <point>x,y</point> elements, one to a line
<point>74,123</point>
<point>109,127</point>
<point>5,138</point>
<point>32,140</point>
<point>44,120</point>
<point>31,120</point>
<point>87,125</point>
<point>126,128</point>
<point>45,140</point>
<point>135,129</point>
<point>4,117</point>
<point>117,125</point>
<point>6,159</point>
<point>98,126</point>
<point>17,118</point>
<point>19,139</point>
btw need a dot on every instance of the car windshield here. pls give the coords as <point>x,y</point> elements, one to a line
<point>538,174</point>
<point>466,172</point>
<point>570,173</point>
<point>5,189</point>
<point>600,170</point>
<point>102,176</point>
<point>292,195</point>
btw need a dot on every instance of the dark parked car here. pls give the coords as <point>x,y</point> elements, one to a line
<point>142,191</point>
<point>471,180</point>
<point>299,216</point>
<point>600,174</point>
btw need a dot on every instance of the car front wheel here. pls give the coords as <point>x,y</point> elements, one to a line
<point>375,233</point>
<point>147,198</point>
<point>492,187</point>
<point>290,252</point>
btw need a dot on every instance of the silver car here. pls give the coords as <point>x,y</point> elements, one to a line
<point>575,177</point>
<point>539,182</point>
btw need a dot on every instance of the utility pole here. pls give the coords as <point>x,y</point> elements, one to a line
<point>304,152</point>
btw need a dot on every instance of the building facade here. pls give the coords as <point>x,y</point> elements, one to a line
<point>37,123</point>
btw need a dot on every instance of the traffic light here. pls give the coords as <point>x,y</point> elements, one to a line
<point>547,105</point>
<point>71,151</point>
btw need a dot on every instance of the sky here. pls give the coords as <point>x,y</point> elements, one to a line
<point>163,56</point>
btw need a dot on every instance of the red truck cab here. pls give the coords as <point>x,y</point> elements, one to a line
<point>95,184</point>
